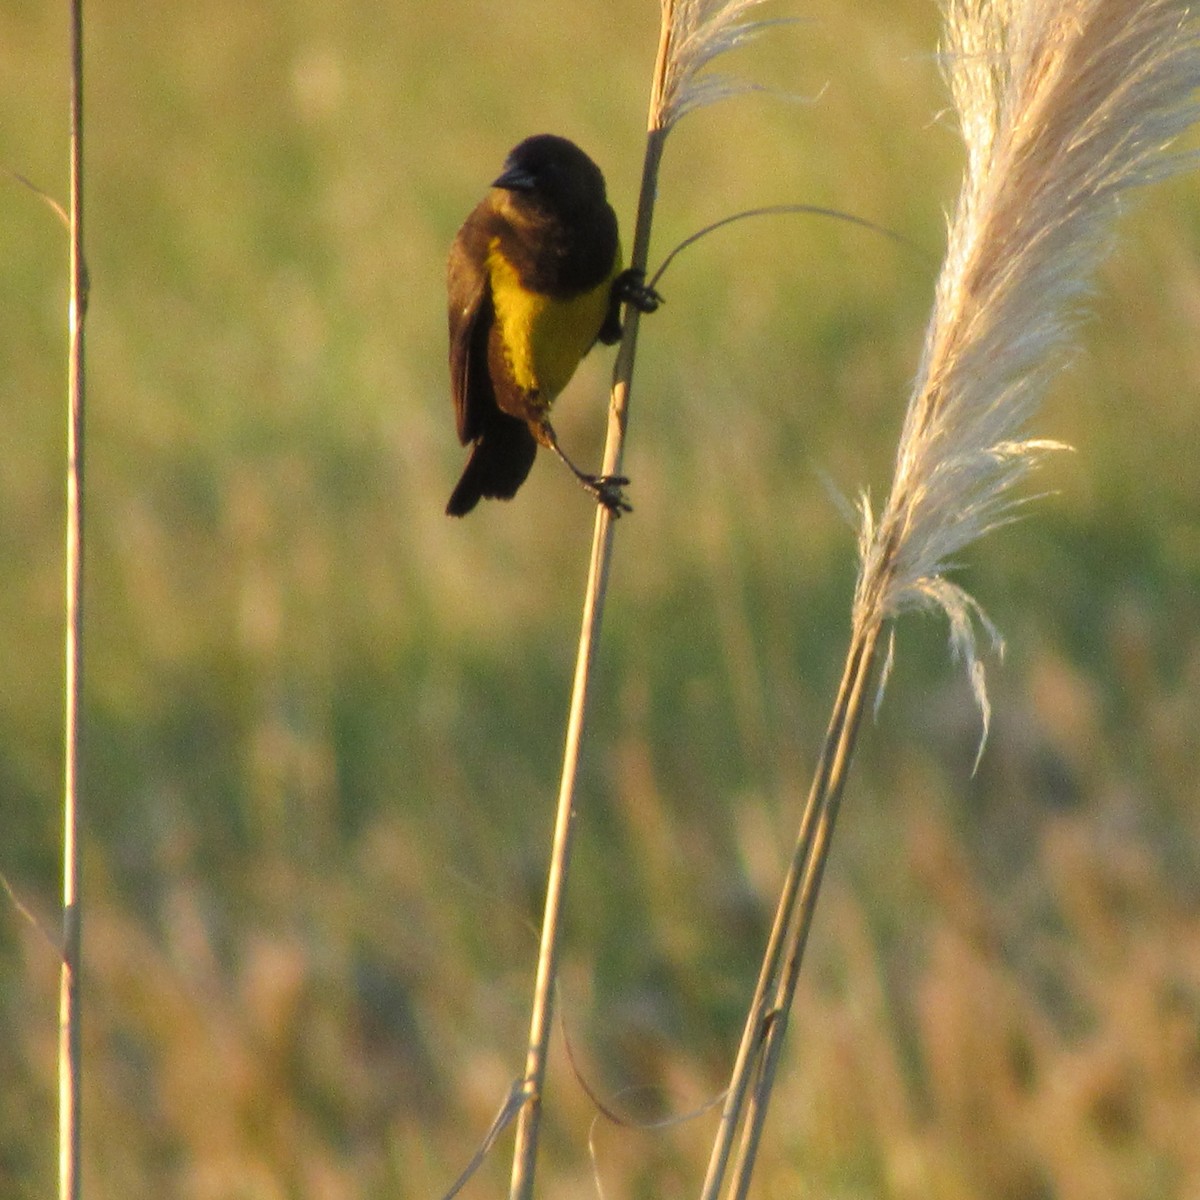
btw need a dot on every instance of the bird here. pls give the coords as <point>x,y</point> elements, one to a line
<point>534,280</point>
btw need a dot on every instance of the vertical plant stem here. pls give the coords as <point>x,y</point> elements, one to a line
<point>824,802</point>
<point>766,1020</point>
<point>70,1064</point>
<point>525,1149</point>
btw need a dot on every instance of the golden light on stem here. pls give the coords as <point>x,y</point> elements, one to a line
<point>692,33</point>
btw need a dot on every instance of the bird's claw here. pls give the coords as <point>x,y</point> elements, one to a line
<point>607,490</point>
<point>632,290</point>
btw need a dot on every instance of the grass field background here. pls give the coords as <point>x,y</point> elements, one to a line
<point>323,721</point>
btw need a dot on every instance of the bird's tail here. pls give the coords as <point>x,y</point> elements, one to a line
<point>500,462</point>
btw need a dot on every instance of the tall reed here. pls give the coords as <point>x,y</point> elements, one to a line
<point>1064,106</point>
<point>692,34</point>
<point>70,1049</point>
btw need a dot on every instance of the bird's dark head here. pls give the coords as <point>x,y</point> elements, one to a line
<point>552,173</point>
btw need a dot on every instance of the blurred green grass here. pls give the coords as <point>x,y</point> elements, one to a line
<point>323,722</point>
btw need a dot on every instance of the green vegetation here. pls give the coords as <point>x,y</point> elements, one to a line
<point>323,721</point>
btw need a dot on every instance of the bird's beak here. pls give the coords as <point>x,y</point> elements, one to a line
<point>514,179</point>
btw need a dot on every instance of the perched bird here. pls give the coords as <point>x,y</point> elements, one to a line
<point>534,282</point>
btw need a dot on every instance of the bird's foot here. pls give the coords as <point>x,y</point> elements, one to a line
<point>631,289</point>
<point>607,490</point>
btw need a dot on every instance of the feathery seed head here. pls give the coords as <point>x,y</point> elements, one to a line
<point>694,33</point>
<point>1064,105</point>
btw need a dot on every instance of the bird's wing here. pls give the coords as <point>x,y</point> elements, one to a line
<point>471,317</point>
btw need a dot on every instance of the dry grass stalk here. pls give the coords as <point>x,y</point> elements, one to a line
<point>693,33</point>
<point>70,1063</point>
<point>1064,106</point>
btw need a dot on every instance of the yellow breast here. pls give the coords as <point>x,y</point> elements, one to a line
<point>544,337</point>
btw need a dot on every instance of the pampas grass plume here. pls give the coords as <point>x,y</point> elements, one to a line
<point>694,33</point>
<point>1064,106</point>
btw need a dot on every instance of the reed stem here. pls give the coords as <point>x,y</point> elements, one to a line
<point>766,1020</point>
<point>528,1125</point>
<point>70,1065</point>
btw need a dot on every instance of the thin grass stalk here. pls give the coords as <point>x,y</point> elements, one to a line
<point>692,34</point>
<point>829,784</point>
<point>70,1061</point>
<point>541,1021</point>
<point>766,1019</point>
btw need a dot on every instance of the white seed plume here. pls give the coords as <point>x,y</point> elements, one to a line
<point>696,32</point>
<point>1064,105</point>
